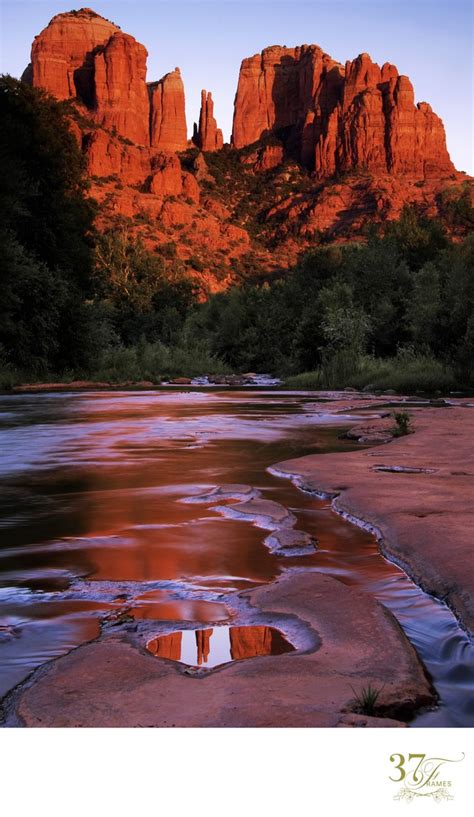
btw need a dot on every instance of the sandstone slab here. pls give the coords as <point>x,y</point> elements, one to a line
<point>114,682</point>
<point>425,515</point>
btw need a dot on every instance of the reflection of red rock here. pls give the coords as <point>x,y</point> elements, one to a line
<point>166,646</point>
<point>203,638</point>
<point>246,642</point>
<point>208,136</point>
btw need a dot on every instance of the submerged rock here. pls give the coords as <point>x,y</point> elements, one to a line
<point>263,512</point>
<point>229,491</point>
<point>291,543</point>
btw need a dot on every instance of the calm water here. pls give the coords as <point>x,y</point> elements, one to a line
<point>214,646</point>
<point>92,520</point>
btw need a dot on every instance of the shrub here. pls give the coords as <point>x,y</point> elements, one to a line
<point>420,373</point>
<point>305,380</point>
<point>402,424</point>
<point>155,361</point>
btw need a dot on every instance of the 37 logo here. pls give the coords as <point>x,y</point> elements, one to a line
<point>422,776</point>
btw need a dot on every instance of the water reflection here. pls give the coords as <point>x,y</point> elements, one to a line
<point>90,488</point>
<point>215,646</point>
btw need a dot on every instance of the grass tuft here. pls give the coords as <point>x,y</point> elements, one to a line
<point>365,701</point>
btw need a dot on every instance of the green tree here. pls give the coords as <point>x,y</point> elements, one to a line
<point>46,234</point>
<point>145,297</point>
<point>423,307</point>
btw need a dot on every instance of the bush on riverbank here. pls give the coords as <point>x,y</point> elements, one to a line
<point>154,361</point>
<point>145,361</point>
<point>402,374</point>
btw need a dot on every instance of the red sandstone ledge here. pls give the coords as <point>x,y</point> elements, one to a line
<point>115,682</point>
<point>424,515</point>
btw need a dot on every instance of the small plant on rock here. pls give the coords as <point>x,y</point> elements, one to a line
<point>403,424</point>
<point>365,701</point>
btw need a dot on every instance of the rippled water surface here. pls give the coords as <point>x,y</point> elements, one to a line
<point>92,518</point>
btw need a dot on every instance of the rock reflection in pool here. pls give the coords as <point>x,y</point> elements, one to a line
<point>219,645</point>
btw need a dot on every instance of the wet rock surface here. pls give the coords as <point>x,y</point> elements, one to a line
<point>113,682</point>
<point>264,512</point>
<point>424,514</point>
<point>291,543</point>
<point>377,431</point>
<point>232,491</point>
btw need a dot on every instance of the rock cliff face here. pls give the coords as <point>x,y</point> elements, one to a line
<point>207,136</point>
<point>278,87</point>
<point>335,118</point>
<point>120,92</point>
<point>168,178</point>
<point>241,211</point>
<point>62,56</point>
<point>81,55</point>
<point>168,129</point>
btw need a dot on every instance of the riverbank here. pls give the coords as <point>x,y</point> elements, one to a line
<point>416,494</point>
<point>247,379</point>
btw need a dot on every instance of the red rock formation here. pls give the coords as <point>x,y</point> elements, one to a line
<point>168,178</point>
<point>264,158</point>
<point>416,136</point>
<point>336,119</point>
<point>108,156</point>
<point>80,54</point>
<point>208,136</point>
<point>167,115</point>
<point>62,55</point>
<point>121,96</point>
<point>277,87</point>
<point>309,109</point>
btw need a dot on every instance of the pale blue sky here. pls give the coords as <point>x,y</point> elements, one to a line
<point>430,40</point>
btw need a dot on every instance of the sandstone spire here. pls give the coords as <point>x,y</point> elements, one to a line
<point>121,96</point>
<point>168,129</point>
<point>208,136</point>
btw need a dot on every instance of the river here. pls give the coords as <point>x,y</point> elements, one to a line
<point>93,518</point>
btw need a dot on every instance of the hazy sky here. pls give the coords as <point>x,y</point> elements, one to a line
<point>429,40</point>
